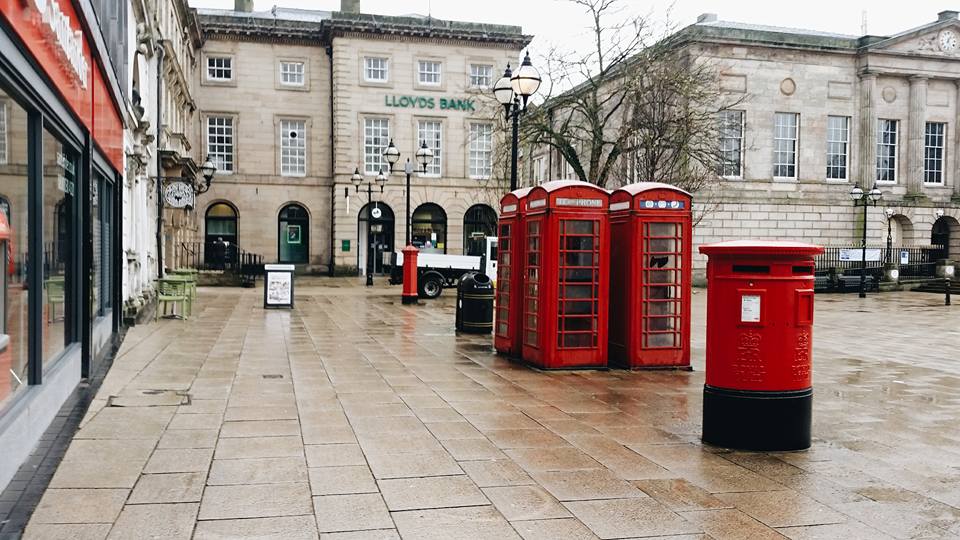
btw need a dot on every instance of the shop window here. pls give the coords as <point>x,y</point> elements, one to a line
<point>59,230</point>
<point>429,228</point>
<point>3,133</point>
<point>15,329</point>
<point>479,222</point>
<point>96,229</point>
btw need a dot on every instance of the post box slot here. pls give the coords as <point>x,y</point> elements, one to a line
<point>803,270</point>
<point>751,269</point>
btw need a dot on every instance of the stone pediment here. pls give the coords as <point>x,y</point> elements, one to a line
<point>938,39</point>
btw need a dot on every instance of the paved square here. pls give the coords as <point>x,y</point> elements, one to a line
<point>355,415</point>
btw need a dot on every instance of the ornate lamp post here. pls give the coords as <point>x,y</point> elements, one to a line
<point>512,91</point>
<point>424,157</point>
<point>864,199</point>
<point>381,181</point>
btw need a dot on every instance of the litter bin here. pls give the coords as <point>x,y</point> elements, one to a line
<point>758,393</point>
<point>475,304</point>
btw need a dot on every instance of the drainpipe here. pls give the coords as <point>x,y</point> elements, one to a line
<point>333,175</point>
<point>159,163</point>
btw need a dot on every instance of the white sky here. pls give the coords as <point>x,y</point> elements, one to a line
<point>559,22</point>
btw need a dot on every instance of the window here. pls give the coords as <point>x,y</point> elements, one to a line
<point>785,144</point>
<point>481,75</point>
<point>838,142</point>
<point>220,142</point>
<point>60,185</point>
<point>219,68</point>
<point>479,222</point>
<point>3,133</point>
<point>428,228</point>
<point>481,150</point>
<point>933,140</point>
<point>431,131</point>
<point>376,134</point>
<point>531,286</point>
<point>429,73</point>
<point>538,169</point>
<point>293,148</point>
<point>15,361</point>
<point>887,150</point>
<point>292,73</point>
<point>376,69</point>
<point>731,143</point>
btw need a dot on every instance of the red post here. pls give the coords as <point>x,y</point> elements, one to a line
<point>410,295</point>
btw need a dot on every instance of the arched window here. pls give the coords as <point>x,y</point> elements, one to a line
<point>429,228</point>
<point>479,222</point>
<point>293,235</point>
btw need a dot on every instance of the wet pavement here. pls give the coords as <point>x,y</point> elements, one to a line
<point>356,417</point>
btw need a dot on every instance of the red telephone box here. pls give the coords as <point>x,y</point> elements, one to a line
<point>566,276</point>
<point>506,338</point>
<point>650,231</point>
<point>758,393</point>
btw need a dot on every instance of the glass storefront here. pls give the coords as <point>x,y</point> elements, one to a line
<point>60,167</point>
<point>13,190</point>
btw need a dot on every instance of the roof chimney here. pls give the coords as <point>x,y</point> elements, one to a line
<point>350,6</point>
<point>947,16</point>
<point>707,18</point>
<point>245,6</point>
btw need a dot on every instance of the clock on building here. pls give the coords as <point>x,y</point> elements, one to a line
<point>178,194</point>
<point>948,41</point>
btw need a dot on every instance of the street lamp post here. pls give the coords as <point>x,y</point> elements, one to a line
<point>424,157</point>
<point>512,91</point>
<point>381,180</point>
<point>864,199</point>
<point>889,214</point>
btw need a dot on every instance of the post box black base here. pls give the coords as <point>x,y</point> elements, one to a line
<point>407,300</point>
<point>763,421</point>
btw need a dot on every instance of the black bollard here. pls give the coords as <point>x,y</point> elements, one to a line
<point>946,291</point>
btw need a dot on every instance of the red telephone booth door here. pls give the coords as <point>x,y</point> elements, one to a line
<point>504,334</point>
<point>533,273</point>
<point>664,293</point>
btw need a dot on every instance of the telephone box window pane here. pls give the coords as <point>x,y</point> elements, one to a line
<point>59,203</point>
<point>662,289</point>
<point>531,299</point>
<point>15,294</point>
<point>579,283</point>
<point>504,270</point>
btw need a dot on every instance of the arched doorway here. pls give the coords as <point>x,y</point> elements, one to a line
<point>220,223</point>
<point>946,233</point>
<point>429,228</point>
<point>479,222</point>
<point>374,236</point>
<point>293,235</point>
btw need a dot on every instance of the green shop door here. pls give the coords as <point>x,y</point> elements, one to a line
<point>294,235</point>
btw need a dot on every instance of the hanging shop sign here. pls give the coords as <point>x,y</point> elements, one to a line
<point>423,102</point>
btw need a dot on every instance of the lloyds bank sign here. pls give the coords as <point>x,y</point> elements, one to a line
<point>422,102</point>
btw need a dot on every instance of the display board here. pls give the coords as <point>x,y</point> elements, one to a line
<point>278,286</point>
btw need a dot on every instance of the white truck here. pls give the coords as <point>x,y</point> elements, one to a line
<point>436,270</point>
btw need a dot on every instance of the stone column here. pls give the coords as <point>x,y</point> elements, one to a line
<point>954,175</point>
<point>916,126</point>
<point>868,129</point>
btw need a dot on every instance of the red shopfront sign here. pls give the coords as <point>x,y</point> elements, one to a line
<point>52,32</point>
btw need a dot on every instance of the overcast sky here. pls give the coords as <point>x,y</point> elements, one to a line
<point>557,21</point>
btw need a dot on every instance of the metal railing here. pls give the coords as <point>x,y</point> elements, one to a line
<point>226,258</point>
<point>913,261</point>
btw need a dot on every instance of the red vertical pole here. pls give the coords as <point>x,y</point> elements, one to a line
<point>410,295</point>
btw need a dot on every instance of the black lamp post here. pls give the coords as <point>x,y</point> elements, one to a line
<point>864,199</point>
<point>512,91</point>
<point>424,157</point>
<point>381,180</point>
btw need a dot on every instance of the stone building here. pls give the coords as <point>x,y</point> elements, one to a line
<point>293,102</point>
<point>821,113</point>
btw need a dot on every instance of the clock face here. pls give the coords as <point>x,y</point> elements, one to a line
<point>948,41</point>
<point>178,195</point>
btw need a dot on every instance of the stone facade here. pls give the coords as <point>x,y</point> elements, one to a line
<point>910,78</point>
<point>340,106</point>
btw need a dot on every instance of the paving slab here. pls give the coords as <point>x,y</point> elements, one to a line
<point>273,528</point>
<point>168,488</point>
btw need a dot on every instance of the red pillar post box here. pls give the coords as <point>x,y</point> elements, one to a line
<point>509,295</point>
<point>758,393</point>
<point>410,294</point>
<point>650,232</point>
<point>566,276</point>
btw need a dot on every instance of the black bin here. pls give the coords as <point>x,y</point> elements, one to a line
<point>475,304</point>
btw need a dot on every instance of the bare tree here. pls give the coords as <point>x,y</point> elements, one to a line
<point>646,109</point>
